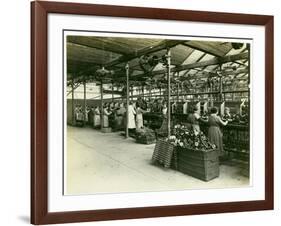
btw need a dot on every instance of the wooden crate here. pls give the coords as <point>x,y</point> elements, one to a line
<point>106,130</point>
<point>144,136</point>
<point>145,140</point>
<point>203,165</point>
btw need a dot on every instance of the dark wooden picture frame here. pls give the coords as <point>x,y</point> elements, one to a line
<point>39,112</point>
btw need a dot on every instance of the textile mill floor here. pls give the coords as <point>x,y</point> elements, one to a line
<point>108,163</point>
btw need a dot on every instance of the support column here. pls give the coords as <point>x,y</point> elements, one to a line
<point>178,95</point>
<point>112,89</point>
<point>169,90</point>
<point>220,95</point>
<point>84,101</point>
<point>249,85</point>
<point>72,101</point>
<point>132,92</point>
<point>127,99</point>
<point>211,96</point>
<point>220,91</point>
<point>101,103</point>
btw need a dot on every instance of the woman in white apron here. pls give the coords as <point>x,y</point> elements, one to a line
<point>106,113</point>
<point>139,118</point>
<point>96,121</point>
<point>131,117</point>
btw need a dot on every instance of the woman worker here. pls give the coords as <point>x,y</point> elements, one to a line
<point>106,113</point>
<point>122,111</point>
<point>227,116</point>
<point>164,110</point>
<point>190,119</point>
<point>131,118</point>
<point>194,118</point>
<point>163,129</point>
<point>214,132</point>
<point>96,113</point>
<point>119,115</point>
<point>139,118</point>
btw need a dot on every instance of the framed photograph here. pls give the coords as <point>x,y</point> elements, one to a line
<point>147,112</point>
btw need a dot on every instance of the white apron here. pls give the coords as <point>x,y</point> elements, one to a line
<point>131,116</point>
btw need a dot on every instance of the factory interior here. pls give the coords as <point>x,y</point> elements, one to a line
<point>146,114</point>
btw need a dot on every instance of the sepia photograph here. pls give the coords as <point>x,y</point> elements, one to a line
<point>142,112</point>
<point>150,113</point>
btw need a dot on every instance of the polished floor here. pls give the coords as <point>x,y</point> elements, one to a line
<point>108,163</point>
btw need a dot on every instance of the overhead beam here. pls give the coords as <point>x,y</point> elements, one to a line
<point>200,64</point>
<point>215,67</point>
<point>215,61</point>
<point>237,72</point>
<point>147,50</point>
<point>135,54</point>
<point>106,91</point>
<point>193,93</point>
<point>187,71</point>
<point>221,60</point>
<point>206,47</point>
<point>73,87</point>
<point>187,56</point>
<point>198,60</point>
<point>96,43</point>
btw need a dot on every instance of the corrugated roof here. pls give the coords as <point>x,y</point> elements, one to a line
<point>87,54</point>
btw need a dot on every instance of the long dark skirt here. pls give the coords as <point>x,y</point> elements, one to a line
<point>215,137</point>
<point>119,123</point>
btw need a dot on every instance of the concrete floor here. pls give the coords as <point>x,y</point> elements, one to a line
<point>109,163</point>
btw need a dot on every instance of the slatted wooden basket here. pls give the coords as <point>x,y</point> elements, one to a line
<point>163,153</point>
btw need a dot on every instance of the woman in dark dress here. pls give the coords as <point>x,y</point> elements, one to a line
<point>190,119</point>
<point>194,118</point>
<point>118,118</point>
<point>214,133</point>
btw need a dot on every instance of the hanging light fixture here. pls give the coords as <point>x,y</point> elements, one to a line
<point>103,72</point>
